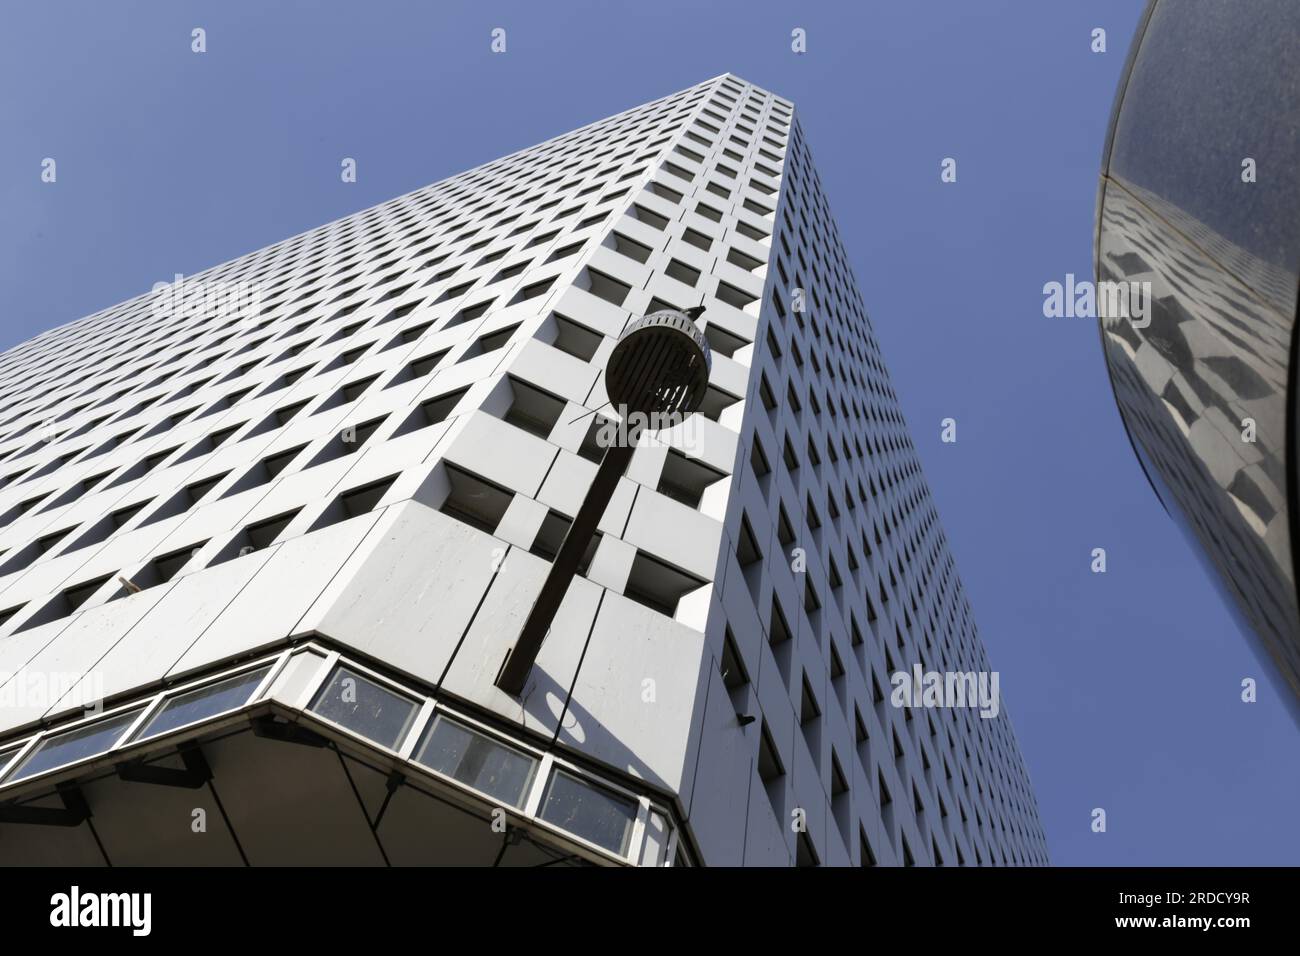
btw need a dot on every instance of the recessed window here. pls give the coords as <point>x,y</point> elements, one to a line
<point>28,555</point>
<point>607,287</point>
<point>733,296</point>
<point>575,339</point>
<point>678,171</point>
<point>20,509</point>
<point>142,468</point>
<point>658,585</point>
<point>648,216</point>
<point>469,314</point>
<point>407,336</point>
<point>185,499</point>
<point>697,239</point>
<point>550,536</point>
<point>421,366</point>
<point>455,292</point>
<point>759,463</point>
<point>716,401</point>
<point>532,409</point>
<point>431,411</point>
<point>348,441</point>
<point>268,469</point>
<point>686,479</point>
<point>594,441</point>
<point>770,769</point>
<point>65,604</point>
<point>76,491</point>
<point>490,342</point>
<point>474,500</point>
<point>348,393</point>
<point>682,272</point>
<point>708,212</point>
<point>744,261</point>
<point>806,853</point>
<point>732,665</point>
<point>664,192</point>
<point>210,443</point>
<point>278,418</point>
<point>104,528</point>
<point>477,760</point>
<point>285,380</point>
<point>532,290</point>
<point>630,248</point>
<point>565,251</point>
<point>256,537</point>
<point>509,272</point>
<point>365,707</point>
<point>723,342</point>
<point>866,856</point>
<point>162,568</point>
<point>357,501</point>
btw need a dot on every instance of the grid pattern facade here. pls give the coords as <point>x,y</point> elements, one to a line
<point>829,482</point>
<point>432,368</point>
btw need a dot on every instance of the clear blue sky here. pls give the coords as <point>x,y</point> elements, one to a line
<point>1123,687</point>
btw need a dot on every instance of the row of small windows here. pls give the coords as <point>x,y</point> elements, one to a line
<point>163,568</point>
<point>290,245</point>
<point>749,558</point>
<point>726,292</point>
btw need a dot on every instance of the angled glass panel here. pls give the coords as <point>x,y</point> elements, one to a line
<point>6,757</point>
<point>477,760</point>
<point>365,707</point>
<point>203,702</point>
<point>593,813</point>
<point>63,749</point>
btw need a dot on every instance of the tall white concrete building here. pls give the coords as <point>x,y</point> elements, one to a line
<point>267,535</point>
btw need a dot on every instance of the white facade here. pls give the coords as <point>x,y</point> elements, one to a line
<point>368,440</point>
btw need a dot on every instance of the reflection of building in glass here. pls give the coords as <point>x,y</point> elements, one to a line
<point>290,548</point>
<point>1200,199</point>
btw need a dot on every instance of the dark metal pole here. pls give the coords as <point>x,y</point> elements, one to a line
<point>659,368</point>
<point>519,661</point>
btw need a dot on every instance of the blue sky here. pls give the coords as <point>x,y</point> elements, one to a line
<point>1123,687</point>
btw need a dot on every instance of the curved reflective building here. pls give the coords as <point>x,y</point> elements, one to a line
<point>1198,224</point>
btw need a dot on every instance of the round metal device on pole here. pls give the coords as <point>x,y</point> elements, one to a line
<point>660,365</point>
<point>658,373</point>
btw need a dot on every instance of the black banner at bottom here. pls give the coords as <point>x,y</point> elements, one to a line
<point>212,906</point>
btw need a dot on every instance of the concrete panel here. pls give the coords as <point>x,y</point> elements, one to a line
<point>148,651</point>
<point>614,716</point>
<point>497,626</point>
<point>77,650</point>
<point>409,591</point>
<point>269,607</point>
<point>722,772</point>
